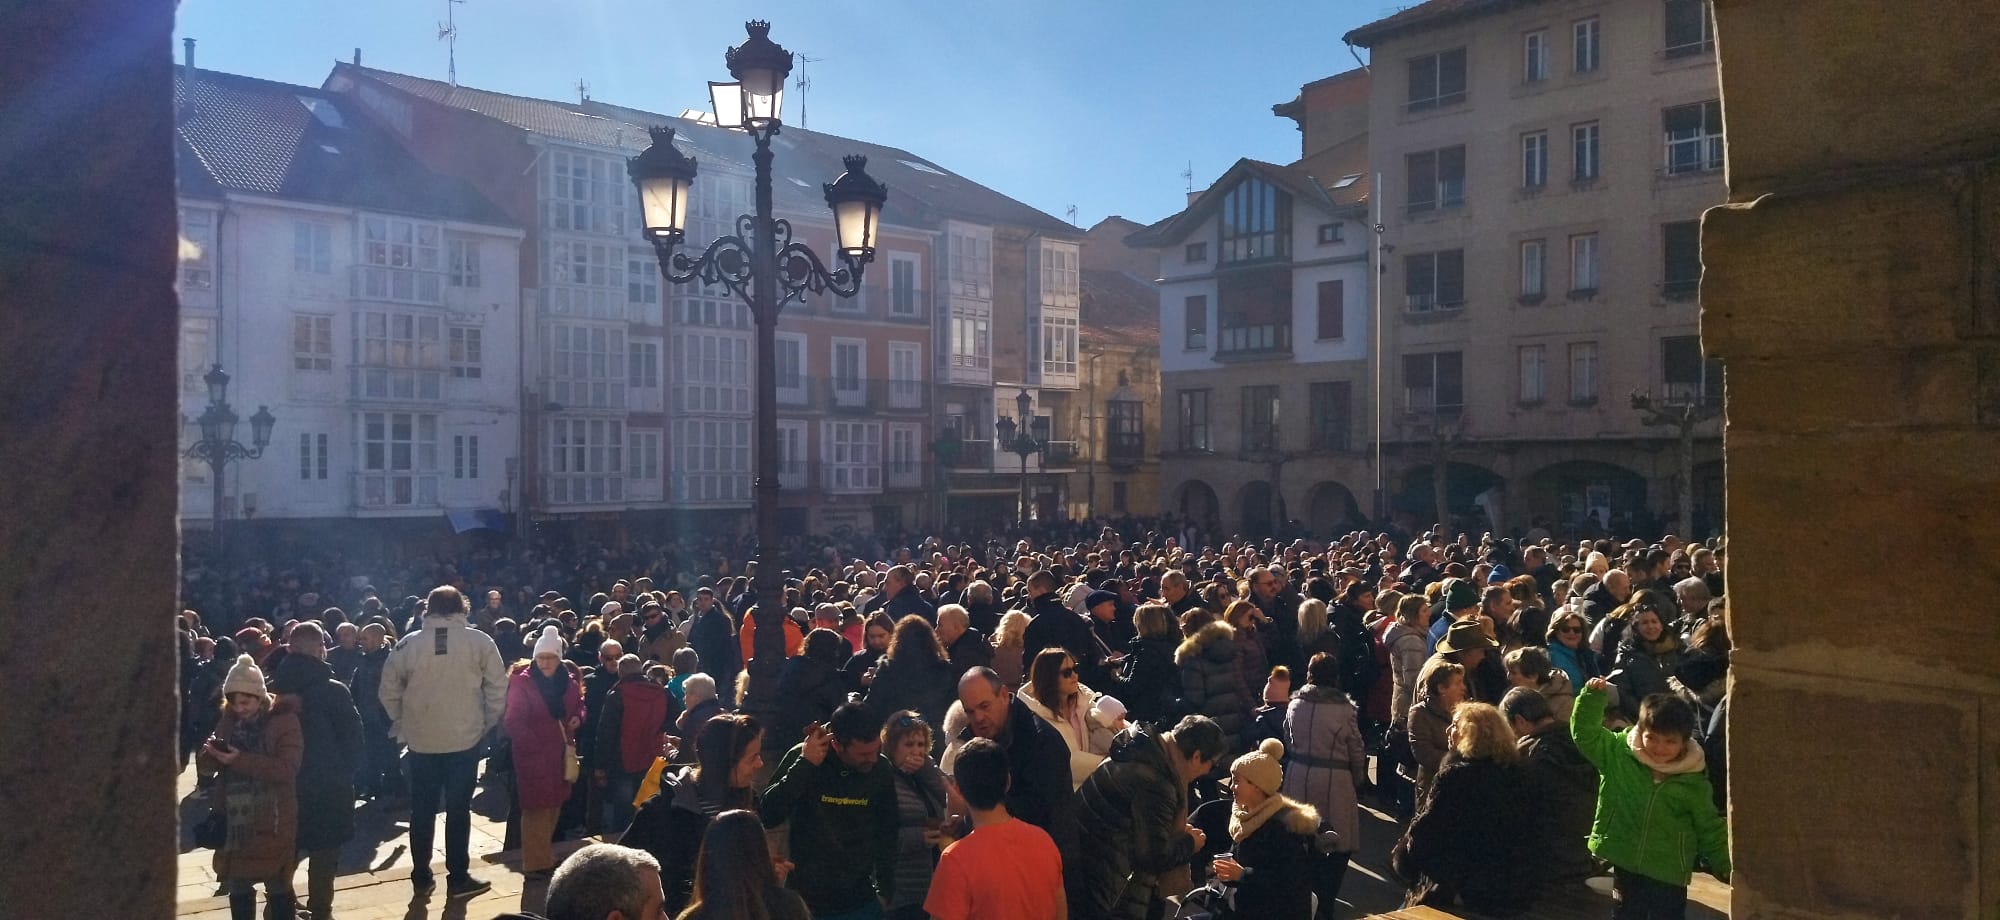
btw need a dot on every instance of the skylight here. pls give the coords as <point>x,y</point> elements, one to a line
<point>323,110</point>
<point>1346,181</point>
<point>924,167</point>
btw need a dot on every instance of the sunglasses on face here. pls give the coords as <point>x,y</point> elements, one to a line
<point>1068,672</point>
<point>1569,629</point>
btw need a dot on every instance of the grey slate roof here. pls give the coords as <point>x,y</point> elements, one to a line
<point>1428,15</point>
<point>921,195</point>
<point>243,134</point>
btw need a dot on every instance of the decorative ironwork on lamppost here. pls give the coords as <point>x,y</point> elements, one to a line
<point>218,446</point>
<point>761,264</point>
<point>1027,437</point>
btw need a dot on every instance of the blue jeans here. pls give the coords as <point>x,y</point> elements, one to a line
<point>449,777</point>
<point>620,789</point>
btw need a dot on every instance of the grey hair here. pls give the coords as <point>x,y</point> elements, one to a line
<point>698,688</point>
<point>955,613</point>
<point>601,878</point>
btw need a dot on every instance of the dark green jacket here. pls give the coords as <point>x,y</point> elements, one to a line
<point>843,829</point>
<point>1654,828</point>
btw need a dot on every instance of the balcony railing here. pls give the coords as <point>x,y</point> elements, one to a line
<point>1684,289</point>
<point>792,475</point>
<point>990,457</point>
<point>1270,339</point>
<point>397,285</point>
<point>1125,449</point>
<point>385,491</point>
<point>874,302</point>
<point>867,395</point>
<point>904,474</point>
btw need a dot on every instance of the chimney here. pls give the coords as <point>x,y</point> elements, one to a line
<point>1197,193</point>
<point>357,57</point>
<point>187,53</point>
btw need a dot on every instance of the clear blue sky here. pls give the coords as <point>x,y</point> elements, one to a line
<point>1095,103</point>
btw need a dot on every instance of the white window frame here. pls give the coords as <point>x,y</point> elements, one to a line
<point>312,247</point>
<point>851,456</point>
<point>586,193</point>
<point>906,375</point>
<point>794,345</point>
<point>397,469</point>
<point>1585,263</point>
<point>903,456</point>
<point>401,260</point>
<point>1707,147</point>
<point>709,371</point>
<point>971,339</point>
<point>1534,268</point>
<point>970,263</point>
<point>1058,345</point>
<point>1535,56</point>
<point>584,461</point>
<point>464,456</point>
<point>312,456</point>
<point>642,456</point>
<point>461,262</point>
<point>1586,151</point>
<point>312,343</point>
<point>1583,372</point>
<point>197,248</point>
<point>468,352</point>
<point>906,301</point>
<point>398,355</point>
<point>710,460</point>
<point>792,453</point>
<point>642,363</point>
<point>1587,45</point>
<point>585,365</point>
<point>1534,365</point>
<point>848,388</point>
<point>642,285</point>
<point>1332,233</point>
<point>1535,159</point>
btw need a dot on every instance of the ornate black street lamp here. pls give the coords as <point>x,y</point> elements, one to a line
<point>218,445</point>
<point>1027,437</point>
<point>1683,413</point>
<point>761,263</point>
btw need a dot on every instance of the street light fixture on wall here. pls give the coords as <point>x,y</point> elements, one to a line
<point>761,264</point>
<point>218,446</point>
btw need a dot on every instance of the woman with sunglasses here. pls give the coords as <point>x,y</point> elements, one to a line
<point>1567,649</point>
<point>1057,696</point>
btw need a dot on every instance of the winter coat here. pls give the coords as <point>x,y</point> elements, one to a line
<point>843,829</point>
<point>1085,752</point>
<point>670,826</point>
<point>636,713</point>
<point>443,687</point>
<point>537,738</point>
<point>1055,625</point>
<point>1467,836</point>
<point>916,681</point>
<point>1152,681</point>
<point>850,673</point>
<point>1277,858</point>
<point>696,716</point>
<point>1646,670</point>
<point>1598,602</point>
<point>1406,661</point>
<point>596,690</point>
<point>712,635</point>
<point>1380,707</point>
<point>1578,664</point>
<point>972,650</point>
<point>746,635</point>
<point>1130,824</point>
<point>808,691</point>
<point>367,687</point>
<point>1211,683</point>
<point>910,601</point>
<point>1252,664</point>
<point>333,748</point>
<point>1324,759</point>
<point>984,617</point>
<point>920,797</point>
<point>259,793</point>
<point>1427,724</point>
<point>1556,688</point>
<point>1562,787</point>
<point>1653,827</point>
<point>1038,787</point>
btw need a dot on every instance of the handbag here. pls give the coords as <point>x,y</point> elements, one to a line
<point>572,767</point>
<point>211,832</point>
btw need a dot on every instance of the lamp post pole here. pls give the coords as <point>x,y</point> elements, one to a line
<point>766,269</point>
<point>1683,417</point>
<point>218,446</point>
<point>1018,435</point>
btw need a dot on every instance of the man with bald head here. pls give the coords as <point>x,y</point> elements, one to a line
<point>1039,790</point>
<point>1609,595</point>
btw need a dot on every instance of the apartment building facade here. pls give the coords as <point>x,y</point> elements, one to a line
<point>1545,165</point>
<point>368,302</point>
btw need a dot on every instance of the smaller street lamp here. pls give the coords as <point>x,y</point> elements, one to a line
<point>218,445</point>
<point>1683,414</point>
<point>1027,437</point>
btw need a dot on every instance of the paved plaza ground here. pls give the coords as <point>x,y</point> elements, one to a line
<point>374,881</point>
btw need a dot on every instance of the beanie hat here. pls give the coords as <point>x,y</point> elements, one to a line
<point>610,609</point>
<point>1107,711</point>
<point>550,643</point>
<point>1091,600</point>
<point>244,677</point>
<point>1262,767</point>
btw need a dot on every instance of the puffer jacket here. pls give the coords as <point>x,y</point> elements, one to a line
<point>1152,682</point>
<point>1085,752</point>
<point>808,691</point>
<point>1468,836</point>
<point>1211,685</point>
<point>444,687</point>
<point>1653,828</point>
<point>1646,670</point>
<point>1130,822</point>
<point>1563,786</point>
<point>916,681</point>
<point>1427,725</point>
<point>1277,855</point>
<point>333,746</point>
<point>920,797</point>
<point>1406,646</point>
<point>259,793</point>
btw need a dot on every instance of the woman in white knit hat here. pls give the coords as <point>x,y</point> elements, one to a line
<point>1263,841</point>
<point>256,752</point>
<point>544,707</point>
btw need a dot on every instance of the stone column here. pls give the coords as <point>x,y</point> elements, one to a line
<point>1850,287</point>
<point>88,473</point>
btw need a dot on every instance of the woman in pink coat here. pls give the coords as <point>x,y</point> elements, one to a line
<point>544,707</point>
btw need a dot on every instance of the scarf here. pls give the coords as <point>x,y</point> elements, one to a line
<point>552,688</point>
<point>1243,823</point>
<point>245,797</point>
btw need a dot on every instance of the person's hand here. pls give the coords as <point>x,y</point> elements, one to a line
<point>1227,870</point>
<point>783,867</point>
<point>818,741</point>
<point>1598,684</point>
<point>573,722</point>
<point>868,678</point>
<point>223,757</point>
<point>670,746</point>
<point>1200,839</point>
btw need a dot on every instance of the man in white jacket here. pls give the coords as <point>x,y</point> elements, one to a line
<point>444,686</point>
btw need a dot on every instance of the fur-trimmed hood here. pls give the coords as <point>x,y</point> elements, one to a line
<point>1217,640</point>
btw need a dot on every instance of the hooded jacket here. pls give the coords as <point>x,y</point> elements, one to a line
<point>1406,646</point>
<point>1211,684</point>
<point>1130,825</point>
<point>843,829</point>
<point>1275,857</point>
<point>1152,680</point>
<point>1085,752</point>
<point>333,747</point>
<point>1655,827</point>
<point>443,687</point>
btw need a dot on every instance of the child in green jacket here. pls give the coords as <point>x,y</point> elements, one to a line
<point>1655,810</point>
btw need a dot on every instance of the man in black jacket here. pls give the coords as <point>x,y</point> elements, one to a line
<point>333,747</point>
<point>1561,784</point>
<point>1054,625</point>
<point>1038,790</point>
<point>900,587</point>
<point>1133,819</point>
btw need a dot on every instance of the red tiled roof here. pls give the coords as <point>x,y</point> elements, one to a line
<point>1426,15</point>
<point>1118,307</point>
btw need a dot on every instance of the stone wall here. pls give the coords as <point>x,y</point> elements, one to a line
<point>88,331</point>
<point>1850,287</point>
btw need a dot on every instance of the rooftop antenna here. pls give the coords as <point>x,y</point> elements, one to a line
<point>1072,215</point>
<point>582,91</point>
<point>448,33</point>
<point>804,83</point>
<point>1188,175</point>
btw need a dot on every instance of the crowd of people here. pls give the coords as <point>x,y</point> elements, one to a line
<point>1109,721</point>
